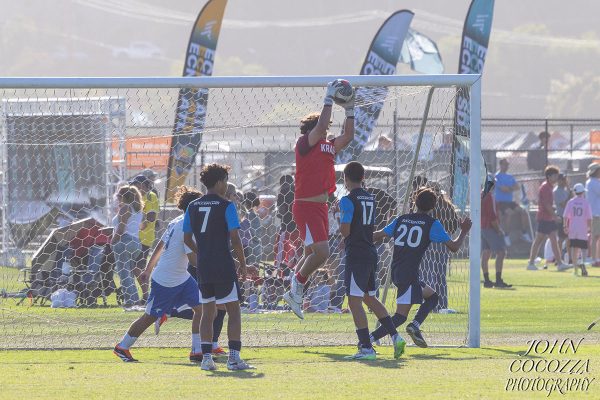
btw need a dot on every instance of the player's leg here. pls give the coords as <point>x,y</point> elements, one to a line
<point>138,327</point>
<point>540,238</point>
<point>209,310</point>
<point>217,328</point>
<point>229,295</point>
<point>404,301</point>
<point>556,250</point>
<point>431,299</point>
<point>356,286</point>
<point>196,352</point>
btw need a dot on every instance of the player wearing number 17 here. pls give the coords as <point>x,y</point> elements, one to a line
<point>213,222</point>
<point>412,234</point>
<point>315,181</point>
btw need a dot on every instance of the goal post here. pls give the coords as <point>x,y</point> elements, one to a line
<point>64,156</point>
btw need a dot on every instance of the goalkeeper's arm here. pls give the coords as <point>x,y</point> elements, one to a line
<point>348,130</point>
<point>319,132</point>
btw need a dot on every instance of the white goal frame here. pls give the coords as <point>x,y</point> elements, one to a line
<point>472,82</point>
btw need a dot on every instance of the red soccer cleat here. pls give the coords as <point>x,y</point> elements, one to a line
<point>219,351</point>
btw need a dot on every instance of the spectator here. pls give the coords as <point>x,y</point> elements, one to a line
<point>437,257</point>
<point>147,228</point>
<point>562,194</point>
<point>578,222</point>
<point>153,177</point>
<point>492,242</point>
<point>536,157</point>
<point>254,249</point>
<point>547,221</point>
<point>125,242</point>
<point>592,187</point>
<point>506,185</point>
<point>319,292</point>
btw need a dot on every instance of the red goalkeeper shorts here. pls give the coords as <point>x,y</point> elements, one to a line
<point>312,221</point>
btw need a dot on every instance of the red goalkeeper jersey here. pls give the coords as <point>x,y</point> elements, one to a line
<point>315,173</point>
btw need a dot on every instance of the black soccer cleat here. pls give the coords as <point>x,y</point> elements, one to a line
<point>488,284</point>
<point>415,335</point>
<point>500,284</point>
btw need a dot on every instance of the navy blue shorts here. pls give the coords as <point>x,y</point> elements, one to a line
<point>547,227</point>
<point>411,293</point>
<point>163,299</point>
<point>221,293</point>
<point>492,240</point>
<point>360,278</point>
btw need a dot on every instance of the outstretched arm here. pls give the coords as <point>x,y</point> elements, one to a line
<point>454,245</point>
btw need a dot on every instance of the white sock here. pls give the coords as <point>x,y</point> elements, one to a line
<point>234,355</point>
<point>127,341</point>
<point>416,323</point>
<point>196,343</point>
<point>215,345</point>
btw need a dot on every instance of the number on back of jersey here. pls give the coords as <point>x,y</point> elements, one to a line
<point>409,236</point>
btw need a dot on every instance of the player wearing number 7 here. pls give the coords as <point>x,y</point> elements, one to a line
<point>412,234</point>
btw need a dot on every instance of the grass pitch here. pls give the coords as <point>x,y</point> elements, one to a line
<point>542,305</point>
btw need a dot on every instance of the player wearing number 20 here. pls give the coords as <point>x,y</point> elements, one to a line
<point>412,234</point>
<point>356,225</point>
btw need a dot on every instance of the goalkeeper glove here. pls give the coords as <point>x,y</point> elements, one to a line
<point>328,101</point>
<point>349,106</point>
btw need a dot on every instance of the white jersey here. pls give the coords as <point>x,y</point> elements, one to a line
<point>171,269</point>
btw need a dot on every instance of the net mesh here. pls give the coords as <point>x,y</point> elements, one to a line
<point>67,151</point>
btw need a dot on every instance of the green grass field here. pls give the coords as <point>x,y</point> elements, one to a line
<point>542,305</point>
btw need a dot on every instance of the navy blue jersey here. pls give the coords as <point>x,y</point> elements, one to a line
<point>358,210</point>
<point>211,218</point>
<point>412,235</point>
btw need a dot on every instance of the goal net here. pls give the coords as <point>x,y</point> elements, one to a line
<point>68,145</point>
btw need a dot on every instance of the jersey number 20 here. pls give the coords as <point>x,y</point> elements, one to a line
<point>413,235</point>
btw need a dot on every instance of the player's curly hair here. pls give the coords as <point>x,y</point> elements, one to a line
<point>213,173</point>
<point>426,199</point>
<point>309,122</point>
<point>185,195</point>
<point>551,170</point>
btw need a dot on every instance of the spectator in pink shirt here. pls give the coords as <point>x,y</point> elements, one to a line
<point>578,222</point>
<point>547,221</point>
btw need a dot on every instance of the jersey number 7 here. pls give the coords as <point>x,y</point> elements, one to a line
<point>206,211</point>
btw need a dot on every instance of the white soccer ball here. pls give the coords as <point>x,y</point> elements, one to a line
<point>344,92</point>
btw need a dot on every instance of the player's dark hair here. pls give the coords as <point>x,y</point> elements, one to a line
<point>354,171</point>
<point>213,173</point>
<point>551,170</point>
<point>250,200</point>
<point>426,199</point>
<point>185,195</point>
<point>309,122</point>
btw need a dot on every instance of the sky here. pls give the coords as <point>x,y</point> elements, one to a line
<point>542,60</point>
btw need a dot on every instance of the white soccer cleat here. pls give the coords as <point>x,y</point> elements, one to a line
<point>238,365</point>
<point>363,354</point>
<point>208,364</point>
<point>563,266</point>
<point>295,304</point>
<point>532,267</point>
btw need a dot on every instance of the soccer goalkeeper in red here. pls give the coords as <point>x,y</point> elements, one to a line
<point>315,181</point>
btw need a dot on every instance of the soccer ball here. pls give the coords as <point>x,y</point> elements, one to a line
<point>344,92</point>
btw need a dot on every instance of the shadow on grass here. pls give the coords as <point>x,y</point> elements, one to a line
<point>245,374</point>
<point>532,286</point>
<point>380,363</point>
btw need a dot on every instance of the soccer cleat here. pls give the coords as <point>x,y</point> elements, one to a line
<point>488,284</point>
<point>295,305</point>
<point>363,354</point>
<point>196,357</point>
<point>208,364</point>
<point>500,284</point>
<point>238,365</point>
<point>415,335</point>
<point>563,267</point>
<point>158,323</point>
<point>219,351</point>
<point>123,354</point>
<point>399,345</point>
<point>583,270</point>
<point>532,267</point>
